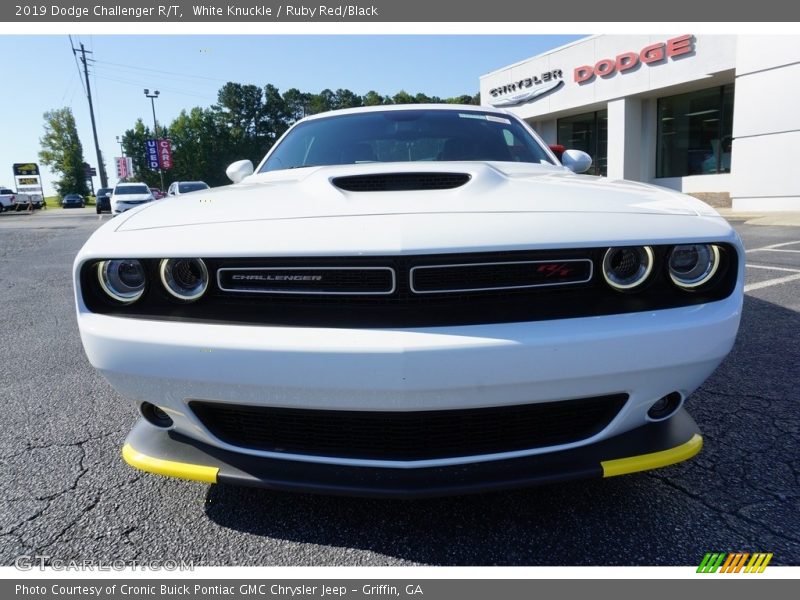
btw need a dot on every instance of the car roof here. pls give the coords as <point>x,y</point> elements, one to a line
<point>401,107</point>
<point>130,183</point>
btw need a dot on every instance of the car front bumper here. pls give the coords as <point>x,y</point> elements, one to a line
<point>648,447</point>
<point>645,355</point>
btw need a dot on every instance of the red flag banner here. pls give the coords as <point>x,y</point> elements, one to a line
<point>165,153</point>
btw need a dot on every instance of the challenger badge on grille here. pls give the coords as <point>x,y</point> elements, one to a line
<point>359,281</point>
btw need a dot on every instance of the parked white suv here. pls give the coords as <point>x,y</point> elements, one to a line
<point>129,195</point>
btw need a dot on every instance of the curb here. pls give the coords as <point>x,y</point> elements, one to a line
<point>779,219</point>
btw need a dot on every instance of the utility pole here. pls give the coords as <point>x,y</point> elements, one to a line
<point>100,166</point>
<point>153,97</point>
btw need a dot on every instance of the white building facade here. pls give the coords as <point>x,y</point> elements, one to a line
<point>713,115</point>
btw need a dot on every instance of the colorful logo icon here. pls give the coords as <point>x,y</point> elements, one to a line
<point>734,562</point>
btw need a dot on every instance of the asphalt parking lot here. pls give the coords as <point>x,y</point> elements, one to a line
<point>67,493</point>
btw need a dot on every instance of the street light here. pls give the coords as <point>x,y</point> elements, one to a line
<point>153,97</point>
<point>121,149</point>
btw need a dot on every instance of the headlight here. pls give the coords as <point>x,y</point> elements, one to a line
<point>692,265</point>
<point>122,279</point>
<point>627,268</point>
<point>184,278</point>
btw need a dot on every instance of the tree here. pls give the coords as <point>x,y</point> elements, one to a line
<point>277,116</point>
<point>321,102</point>
<point>134,145</point>
<point>463,99</point>
<point>297,103</point>
<point>346,99</point>
<point>403,97</point>
<point>372,98</point>
<point>62,151</point>
<point>241,108</point>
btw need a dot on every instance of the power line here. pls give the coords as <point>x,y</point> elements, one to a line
<point>215,79</point>
<point>70,88</point>
<point>139,83</point>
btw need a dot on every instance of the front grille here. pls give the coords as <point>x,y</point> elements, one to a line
<point>416,435</point>
<point>446,293</point>
<point>396,182</point>
<point>498,276</point>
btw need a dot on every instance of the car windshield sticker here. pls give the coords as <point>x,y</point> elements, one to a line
<point>498,119</point>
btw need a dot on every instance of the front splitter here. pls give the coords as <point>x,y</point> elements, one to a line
<point>648,447</point>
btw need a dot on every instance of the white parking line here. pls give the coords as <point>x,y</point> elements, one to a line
<point>774,246</point>
<point>778,250</point>
<point>771,282</point>
<point>772,268</point>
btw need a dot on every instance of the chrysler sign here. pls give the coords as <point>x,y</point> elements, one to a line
<point>526,89</point>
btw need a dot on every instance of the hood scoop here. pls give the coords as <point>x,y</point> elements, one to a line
<point>401,182</point>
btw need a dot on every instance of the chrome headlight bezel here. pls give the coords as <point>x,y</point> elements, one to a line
<point>647,262</point>
<point>705,275</point>
<point>114,287</point>
<point>173,287</point>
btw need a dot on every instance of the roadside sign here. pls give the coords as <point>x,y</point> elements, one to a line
<point>25,169</point>
<point>28,180</point>
<point>165,153</point>
<point>124,166</point>
<point>151,147</point>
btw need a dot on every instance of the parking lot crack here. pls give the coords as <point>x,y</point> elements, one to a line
<point>48,446</point>
<point>739,395</point>
<point>698,498</point>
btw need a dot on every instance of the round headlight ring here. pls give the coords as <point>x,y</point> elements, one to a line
<point>627,267</point>
<point>184,278</point>
<point>688,275</point>
<point>123,280</point>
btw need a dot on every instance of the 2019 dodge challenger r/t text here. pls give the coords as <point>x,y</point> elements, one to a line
<point>409,301</point>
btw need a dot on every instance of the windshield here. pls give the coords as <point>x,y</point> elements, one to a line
<point>406,136</point>
<point>132,189</point>
<point>193,186</point>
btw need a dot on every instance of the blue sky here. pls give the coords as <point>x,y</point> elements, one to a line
<point>39,73</point>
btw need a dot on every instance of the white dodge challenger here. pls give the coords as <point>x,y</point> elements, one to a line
<point>409,301</point>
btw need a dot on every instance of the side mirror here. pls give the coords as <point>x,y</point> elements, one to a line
<point>239,170</point>
<point>576,161</point>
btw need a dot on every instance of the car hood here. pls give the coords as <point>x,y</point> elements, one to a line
<point>493,188</point>
<point>502,208</point>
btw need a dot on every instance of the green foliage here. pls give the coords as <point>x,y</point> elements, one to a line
<point>62,152</point>
<point>133,144</point>
<point>244,123</point>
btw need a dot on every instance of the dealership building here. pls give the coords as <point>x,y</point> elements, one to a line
<point>716,116</point>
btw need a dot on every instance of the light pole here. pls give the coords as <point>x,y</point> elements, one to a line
<point>121,149</point>
<point>153,97</point>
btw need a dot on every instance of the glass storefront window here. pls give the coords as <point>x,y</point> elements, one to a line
<point>695,133</point>
<point>587,132</point>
